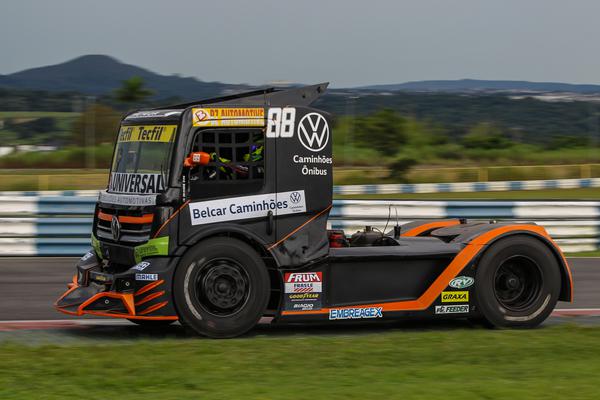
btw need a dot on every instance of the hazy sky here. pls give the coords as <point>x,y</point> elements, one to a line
<point>346,42</point>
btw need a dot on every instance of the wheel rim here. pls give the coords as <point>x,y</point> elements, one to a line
<point>518,283</point>
<point>222,287</point>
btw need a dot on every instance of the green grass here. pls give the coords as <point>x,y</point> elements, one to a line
<point>547,194</point>
<point>551,363</point>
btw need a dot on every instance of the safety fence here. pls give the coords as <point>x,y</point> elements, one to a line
<point>467,187</point>
<point>59,223</point>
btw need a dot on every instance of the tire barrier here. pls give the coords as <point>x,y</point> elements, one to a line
<point>59,224</point>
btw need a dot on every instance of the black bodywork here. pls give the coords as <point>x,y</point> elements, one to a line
<point>393,277</point>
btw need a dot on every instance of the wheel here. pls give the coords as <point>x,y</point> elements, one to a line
<point>517,282</point>
<point>151,323</point>
<point>221,288</point>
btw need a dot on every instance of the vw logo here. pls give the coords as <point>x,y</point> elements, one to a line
<point>115,227</point>
<point>295,197</point>
<point>313,132</point>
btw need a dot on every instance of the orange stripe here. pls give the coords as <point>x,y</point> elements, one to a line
<point>126,298</point>
<point>298,228</point>
<point>104,216</point>
<point>416,231</point>
<point>149,286</point>
<point>170,218</point>
<point>452,270</point>
<point>151,296</point>
<point>128,316</point>
<point>72,286</point>
<point>153,308</point>
<point>144,219</point>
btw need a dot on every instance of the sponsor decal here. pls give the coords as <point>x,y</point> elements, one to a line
<point>141,266</point>
<point>146,277</point>
<point>147,133</point>
<point>87,256</point>
<point>304,282</point>
<point>303,290</point>
<point>235,208</point>
<point>153,114</point>
<point>313,132</point>
<point>121,182</point>
<point>127,199</point>
<point>320,164</point>
<point>356,313</point>
<point>457,309</point>
<point>153,247</point>
<point>303,296</point>
<point>295,197</point>
<point>228,116</point>
<point>99,276</point>
<point>461,282</point>
<point>455,297</point>
<point>304,306</point>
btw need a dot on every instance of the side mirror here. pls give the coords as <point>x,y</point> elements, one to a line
<point>197,158</point>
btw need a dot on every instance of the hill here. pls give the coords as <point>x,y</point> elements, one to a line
<point>475,85</point>
<point>99,75</point>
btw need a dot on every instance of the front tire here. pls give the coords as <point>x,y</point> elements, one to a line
<point>221,288</point>
<point>517,282</point>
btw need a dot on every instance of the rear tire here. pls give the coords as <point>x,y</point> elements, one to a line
<point>221,288</point>
<point>517,282</point>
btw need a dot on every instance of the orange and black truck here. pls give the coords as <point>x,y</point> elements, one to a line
<point>215,215</point>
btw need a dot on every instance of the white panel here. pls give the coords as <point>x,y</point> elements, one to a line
<point>561,209</point>
<point>380,209</point>
<point>14,227</point>
<point>18,205</point>
<point>17,247</point>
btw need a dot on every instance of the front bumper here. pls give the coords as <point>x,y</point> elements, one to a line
<point>130,294</point>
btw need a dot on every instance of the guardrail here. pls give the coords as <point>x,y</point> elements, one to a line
<point>484,186</point>
<point>467,186</point>
<point>59,223</point>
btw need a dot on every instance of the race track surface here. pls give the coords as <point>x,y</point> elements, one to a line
<point>29,286</point>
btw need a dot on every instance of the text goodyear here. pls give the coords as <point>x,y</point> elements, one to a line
<point>455,297</point>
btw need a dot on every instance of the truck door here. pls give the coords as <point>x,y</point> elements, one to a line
<point>232,190</point>
<point>303,181</point>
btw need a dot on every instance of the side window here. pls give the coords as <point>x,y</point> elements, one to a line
<point>237,164</point>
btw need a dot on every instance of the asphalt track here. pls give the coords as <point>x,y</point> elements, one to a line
<point>30,285</point>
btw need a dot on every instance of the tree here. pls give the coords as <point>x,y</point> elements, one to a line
<point>487,136</point>
<point>98,120</point>
<point>132,90</point>
<point>383,131</point>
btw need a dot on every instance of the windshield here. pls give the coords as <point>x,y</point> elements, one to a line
<point>141,159</point>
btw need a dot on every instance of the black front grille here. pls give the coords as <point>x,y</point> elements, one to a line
<point>131,233</point>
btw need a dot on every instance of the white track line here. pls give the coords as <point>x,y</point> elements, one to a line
<point>119,322</point>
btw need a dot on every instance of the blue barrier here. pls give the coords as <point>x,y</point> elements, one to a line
<point>61,225</point>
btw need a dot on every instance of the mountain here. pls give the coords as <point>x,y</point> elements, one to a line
<point>100,74</point>
<point>475,85</point>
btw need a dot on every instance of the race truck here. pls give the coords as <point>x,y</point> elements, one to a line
<point>215,215</point>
